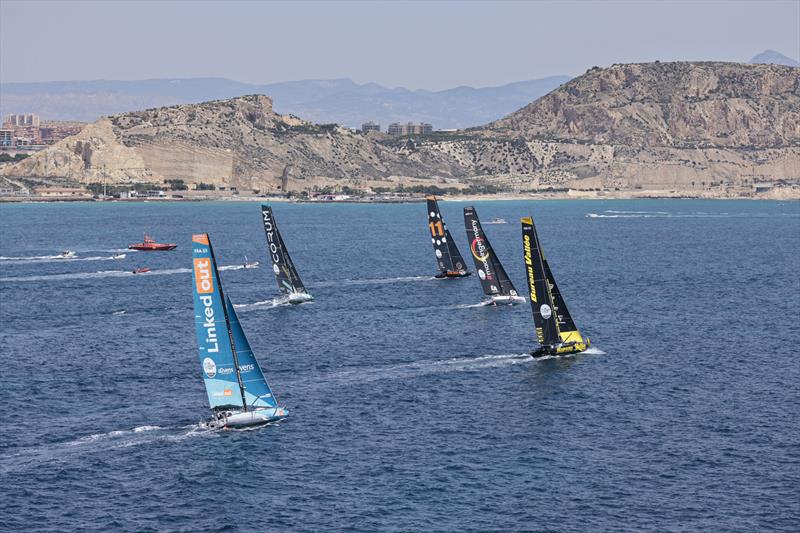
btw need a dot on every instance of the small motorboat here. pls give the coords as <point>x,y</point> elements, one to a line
<point>118,256</point>
<point>141,270</point>
<point>149,245</point>
<point>67,254</point>
<point>453,274</point>
<point>498,220</point>
<point>250,264</point>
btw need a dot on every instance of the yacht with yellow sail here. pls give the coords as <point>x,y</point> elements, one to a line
<point>555,329</point>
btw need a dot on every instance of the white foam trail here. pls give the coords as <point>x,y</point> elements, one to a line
<point>473,306</point>
<point>105,274</point>
<point>421,368</point>
<point>100,442</point>
<point>267,304</point>
<point>376,281</point>
<point>636,212</point>
<point>593,351</point>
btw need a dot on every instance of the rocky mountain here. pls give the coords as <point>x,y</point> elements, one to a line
<point>652,125</point>
<point>338,101</point>
<point>239,143</point>
<point>698,128</point>
<point>771,57</point>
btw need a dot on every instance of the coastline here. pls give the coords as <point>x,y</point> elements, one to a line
<point>776,194</point>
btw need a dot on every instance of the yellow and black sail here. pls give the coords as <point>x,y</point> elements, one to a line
<point>555,329</point>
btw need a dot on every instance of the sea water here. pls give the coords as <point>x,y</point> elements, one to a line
<point>412,408</point>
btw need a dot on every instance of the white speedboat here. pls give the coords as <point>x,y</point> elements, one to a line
<point>498,220</point>
<point>250,264</point>
<point>67,254</point>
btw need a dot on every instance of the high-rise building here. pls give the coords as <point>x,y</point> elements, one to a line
<point>410,128</point>
<point>28,119</point>
<point>370,126</point>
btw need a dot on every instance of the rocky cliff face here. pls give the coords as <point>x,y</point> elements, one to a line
<point>680,126</point>
<point>654,125</point>
<point>236,143</point>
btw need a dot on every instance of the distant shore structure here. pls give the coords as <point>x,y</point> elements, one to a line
<point>370,126</point>
<point>410,128</point>
<point>28,131</point>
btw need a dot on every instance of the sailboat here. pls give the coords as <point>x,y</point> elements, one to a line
<point>555,329</point>
<point>495,282</point>
<point>448,258</point>
<point>238,393</point>
<point>289,282</point>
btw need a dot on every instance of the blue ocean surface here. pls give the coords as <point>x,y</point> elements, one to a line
<point>412,409</point>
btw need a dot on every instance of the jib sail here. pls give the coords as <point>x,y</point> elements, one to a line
<point>447,255</point>
<point>494,279</point>
<point>566,326</point>
<point>256,389</point>
<point>214,337</point>
<point>285,272</point>
<point>544,317</point>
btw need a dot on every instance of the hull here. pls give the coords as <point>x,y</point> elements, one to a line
<point>246,419</point>
<point>453,274</point>
<point>506,300</point>
<point>152,247</point>
<point>300,297</point>
<point>561,349</point>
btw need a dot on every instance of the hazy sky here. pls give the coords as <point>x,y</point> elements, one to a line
<point>431,45</point>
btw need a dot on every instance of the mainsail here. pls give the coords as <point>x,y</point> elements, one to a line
<point>544,318</point>
<point>553,322</point>
<point>494,279</point>
<point>447,255</point>
<point>285,272</point>
<point>232,376</point>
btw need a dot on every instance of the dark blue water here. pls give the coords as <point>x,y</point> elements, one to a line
<point>411,409</point>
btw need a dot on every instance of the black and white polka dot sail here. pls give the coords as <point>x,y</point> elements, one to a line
<point>448,258</point>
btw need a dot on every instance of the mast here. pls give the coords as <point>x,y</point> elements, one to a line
<point>228,326</point>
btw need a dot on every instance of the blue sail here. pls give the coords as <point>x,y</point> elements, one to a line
<point>216,355</point>
<point>256,389</point>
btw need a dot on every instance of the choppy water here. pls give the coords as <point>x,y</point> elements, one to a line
<point>412,409</point>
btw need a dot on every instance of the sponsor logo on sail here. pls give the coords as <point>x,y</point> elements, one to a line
<point>204,280</point>
<point>526,245</point>
<point>269,228</point>
<point>209,367</point>
<point>546,311</point>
